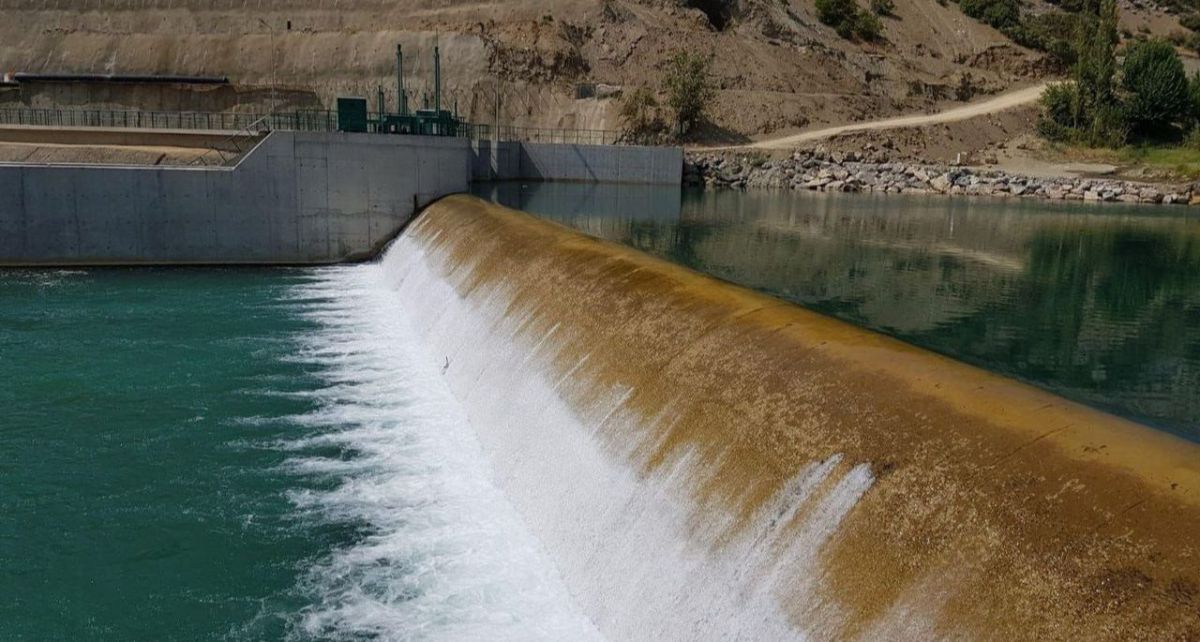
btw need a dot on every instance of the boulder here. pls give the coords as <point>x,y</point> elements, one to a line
<point>941,182</point>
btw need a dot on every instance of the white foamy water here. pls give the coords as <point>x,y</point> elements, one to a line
<point>637,552</point>
<point>447,557</point>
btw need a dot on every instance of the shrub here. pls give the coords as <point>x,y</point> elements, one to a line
<point>1001,14</point>
<point>1109,127</point>
<point>839,14</point>
<point>867,26</point>
<point>966,88</point>
<point>1060,104</point>
<point>1193,115</point>
<point>1192,140</point>
<point>849,20</point>
<point>1190,21</point>
<point>689,89</point>
<point>1158,87</point>
<point>883,7</point>
<point>1051,32</point>
<point>639,115</point>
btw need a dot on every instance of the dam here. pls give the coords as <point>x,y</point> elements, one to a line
<point>499,427</point>
<point>293,197</point>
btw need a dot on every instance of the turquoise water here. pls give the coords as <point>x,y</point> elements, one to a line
<point>1096,302</point>
<point>138,498</point>
<point>258,454</point>
<point>228,454</point>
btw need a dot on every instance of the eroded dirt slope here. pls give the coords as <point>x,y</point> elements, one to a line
<point>778,68</point>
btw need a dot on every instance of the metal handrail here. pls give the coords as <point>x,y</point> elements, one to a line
<point>247,131</point>
<point>321,120</point>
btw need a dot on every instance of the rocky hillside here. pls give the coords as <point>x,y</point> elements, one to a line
<point>557,63</point>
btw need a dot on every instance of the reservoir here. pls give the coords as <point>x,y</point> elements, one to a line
<point>245,454</point>
<point>1097,302</point>
<point>279,453</point>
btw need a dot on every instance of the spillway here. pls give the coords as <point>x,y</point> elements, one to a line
<point>699,461</point>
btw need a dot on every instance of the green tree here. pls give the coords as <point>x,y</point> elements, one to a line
<point>1158,87</point>
<point>1096,62</point>
<point>689,88</point>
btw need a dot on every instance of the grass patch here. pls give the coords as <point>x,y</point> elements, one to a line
<point>1165,161</point>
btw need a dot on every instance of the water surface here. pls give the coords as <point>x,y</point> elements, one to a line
<point>1097,302</point>
<point>224,454</point>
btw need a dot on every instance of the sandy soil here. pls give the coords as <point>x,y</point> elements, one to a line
<point>51,153</point>
<point>1003,102</point>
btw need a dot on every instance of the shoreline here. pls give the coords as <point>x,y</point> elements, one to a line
<point>821,170</point>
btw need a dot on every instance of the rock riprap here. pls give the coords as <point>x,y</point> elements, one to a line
<point>820,170</point>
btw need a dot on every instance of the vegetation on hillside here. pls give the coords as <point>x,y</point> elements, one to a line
<point>852,21</point>
<point>1051,32</point>
<point>1148,97</point>
<point>687,83</point>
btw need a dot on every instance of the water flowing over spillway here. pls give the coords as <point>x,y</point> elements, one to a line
<point>696,461</point>
<point>447,558</point>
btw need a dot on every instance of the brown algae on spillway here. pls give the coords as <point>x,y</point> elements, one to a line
<point>992,510</point>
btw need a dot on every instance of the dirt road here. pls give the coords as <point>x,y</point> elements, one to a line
<point>992,105</point>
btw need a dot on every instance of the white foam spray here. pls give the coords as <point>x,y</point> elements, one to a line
<point>636,551</point>
<point>447,557</point>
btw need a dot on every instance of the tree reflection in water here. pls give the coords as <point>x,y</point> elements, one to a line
<point>1098,303</point>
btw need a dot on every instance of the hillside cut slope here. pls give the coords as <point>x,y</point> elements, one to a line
<point>557,63</point>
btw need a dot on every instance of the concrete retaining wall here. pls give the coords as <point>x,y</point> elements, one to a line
<point>296,198</point>
<point>564,162</point>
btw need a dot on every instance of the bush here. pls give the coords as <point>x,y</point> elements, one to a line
<point>639,115</point>
<point>1192,140</point>
<point>883,7</point>
<point>1061,105</point>
<point>1001,14</point>
<point>867,26</point>
<point>689,89</point>
<point>839,14</point>
<point>848,19</point>
<point>1158,87</point>
<point>1052,32</point>
<point>1190,21</point>
<point>1193,115</point>
<point>1109,127</point>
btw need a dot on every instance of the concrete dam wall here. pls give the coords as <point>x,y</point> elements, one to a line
<point>295,198</point>
<point>704,462</point>
<point>510,161</point>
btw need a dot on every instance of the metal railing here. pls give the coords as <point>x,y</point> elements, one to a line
<point>546,135</point>
<point>316,120</point>
<point>301,120</point>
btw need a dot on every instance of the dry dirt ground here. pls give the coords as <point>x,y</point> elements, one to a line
<point>51,153</point>
<point>548,63</point>
<point>557,64</point>
<point>86,145</point>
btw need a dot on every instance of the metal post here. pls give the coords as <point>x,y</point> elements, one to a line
<point>274,98</point>
<point>437,80</point>
<point>401,97</point>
